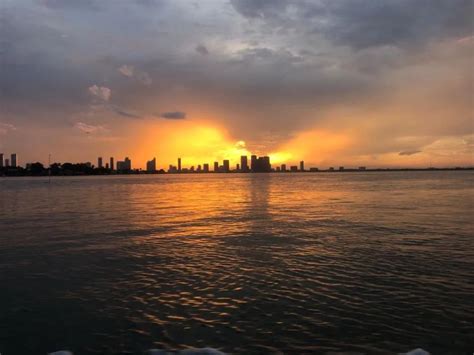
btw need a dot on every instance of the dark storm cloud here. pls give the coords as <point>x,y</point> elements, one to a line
<point>173,115</point>
<point>361,23</point>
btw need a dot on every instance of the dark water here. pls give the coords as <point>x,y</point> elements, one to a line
<point>297,263</point>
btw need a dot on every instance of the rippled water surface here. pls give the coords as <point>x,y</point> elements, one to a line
<point>253,263</point>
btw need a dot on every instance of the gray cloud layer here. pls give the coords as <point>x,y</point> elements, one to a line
<point>262,68</point>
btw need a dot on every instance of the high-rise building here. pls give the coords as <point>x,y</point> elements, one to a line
<point>283,167</point>
<point>1,160</point>
<point>151,165</point>
<point>7,162</point>
<point>179,164</point>
<point>125,165</point>
<point>111,166</point>
<point>205,168</point>
<point>266,166</point>
<point>13,160</point>
<point>244,165</point>
<point>107,166</point>
<point>100,163</point>
<point>237,167</point>
<point>216,166</point>
<point>302,165</point>
<point>226,165</point>
<point>253,163</point>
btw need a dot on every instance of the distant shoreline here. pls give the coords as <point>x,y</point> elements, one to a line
<point>18,173</point>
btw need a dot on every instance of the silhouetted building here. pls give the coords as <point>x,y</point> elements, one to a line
<point>362,168</point>
<point>125,165</point>
<point>13,162</point>
<point>293,168</point>
<point>151,165</point>
<point>100,163</point>
<point>261,164</point>
<point>341,168</point>
<point>216,166</point>
<point>283,167</point>
<point>237,167</point>
<point>111,163</point>
<point>278,169</point>
<point>244,165</point>
<point>313,169</point>
<point>107,166</point>
<point>331,169</point>
<point>1,160</point>
<point>302,165</point>
<point>205,168</point>
<point>7,163</point>
<point>172,169</point>
<point>179,164</point>
<point>226,166</point>
<point>253,162</point>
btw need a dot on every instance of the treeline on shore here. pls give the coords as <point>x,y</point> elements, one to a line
<point>65,169</point>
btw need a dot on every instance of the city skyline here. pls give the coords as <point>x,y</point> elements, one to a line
<point>262,164</point>
<point>293,80</point>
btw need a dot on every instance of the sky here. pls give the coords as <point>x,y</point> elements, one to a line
<point>386,83</point>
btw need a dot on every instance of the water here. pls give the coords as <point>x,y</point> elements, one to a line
<point>297,263</point>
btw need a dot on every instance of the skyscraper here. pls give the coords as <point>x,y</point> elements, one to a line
<point>179,164</point>
<point>151,165</point>
<point>100,163</point>
<point>244,165</point>
<point>111,165</point>
<point>253,163</point>
<point>1,160</point>
<point>302,165</point>
<point>13,160</point>
<point>125,165</point>
<point>206,168</point>
<point>216,166</point>
<point>226,165</point>
<point>283,167</point>
<point>266,166</point>
<point>7,163</point>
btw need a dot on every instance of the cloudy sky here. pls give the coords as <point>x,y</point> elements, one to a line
<point>356,82</point>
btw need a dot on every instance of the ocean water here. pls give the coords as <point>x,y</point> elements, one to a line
<point>245,263</point>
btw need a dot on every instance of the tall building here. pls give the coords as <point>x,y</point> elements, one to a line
<point>265,165</point>
<point>283,167</point>
<point>179,164</point>
<point>237,167</point>
<point>1,160</point>
<point>151,165</point>
<point>111,165</point>
<point>244,165</point>
<point>260,164</point>
<point>100,163</point>
<point>226,165</point>
<point>253,163</point>
<point>302,165</point>
<point>125,165</point>
<point>216,166</point>
<point>205,168</point>
<point>7,162</point>
<point>13,161</point>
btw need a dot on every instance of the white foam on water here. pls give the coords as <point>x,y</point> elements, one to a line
<point>418,351</point>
